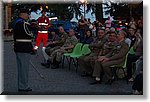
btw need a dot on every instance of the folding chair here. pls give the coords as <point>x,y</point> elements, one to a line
<point>76,50</point>
<point>122,67</point>
<point>85,50</point>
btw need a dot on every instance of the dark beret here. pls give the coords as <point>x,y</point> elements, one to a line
<point>23,10</point>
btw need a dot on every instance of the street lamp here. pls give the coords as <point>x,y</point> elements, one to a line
<point>84,3</point>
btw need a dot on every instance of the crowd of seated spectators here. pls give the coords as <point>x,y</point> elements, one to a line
<point>108,47</point>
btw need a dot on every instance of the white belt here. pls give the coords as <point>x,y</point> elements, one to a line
<point>23,40</point>
<point>43,24</point>
<point>43,31</point>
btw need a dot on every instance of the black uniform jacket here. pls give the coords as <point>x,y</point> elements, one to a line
<point>22,36</point>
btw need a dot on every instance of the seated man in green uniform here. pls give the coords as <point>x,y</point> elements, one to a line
<point>58,43</point>
<point>89,61</point>
<point>69,44</point>
<point>116,57</point>
<point>95,47</point>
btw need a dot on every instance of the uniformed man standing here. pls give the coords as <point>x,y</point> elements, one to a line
<point>115,57</point>
<point>23,47</point>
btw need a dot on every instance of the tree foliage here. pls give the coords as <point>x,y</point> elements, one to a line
<point>122,10</point>
<point>60,10</point>
<point>97,9</point>
<point>67,10</point>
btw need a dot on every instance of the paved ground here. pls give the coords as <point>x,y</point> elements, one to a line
<point>56,81</point>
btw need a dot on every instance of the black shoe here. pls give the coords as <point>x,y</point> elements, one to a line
<point>43,64</point>
<point>85,75</point>
<point>95,82</point>
<point>34,52</point>
<point>47,65</point>
<point>55,66</point>
<point>109,82</point>
<point>25,90</point>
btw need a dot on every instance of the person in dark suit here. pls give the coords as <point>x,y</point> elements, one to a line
<point>23,48</point>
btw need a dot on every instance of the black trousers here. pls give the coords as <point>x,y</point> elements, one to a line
<point>130,59</point>
<point>138,82</point>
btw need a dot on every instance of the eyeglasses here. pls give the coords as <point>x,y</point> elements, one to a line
<point>112,35</point>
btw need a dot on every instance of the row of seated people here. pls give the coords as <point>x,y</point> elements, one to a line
<point>112,50</point>
<point>58,46</point>
<point>107,49</point>
<point>64,42</point>
<point>116,55</point>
